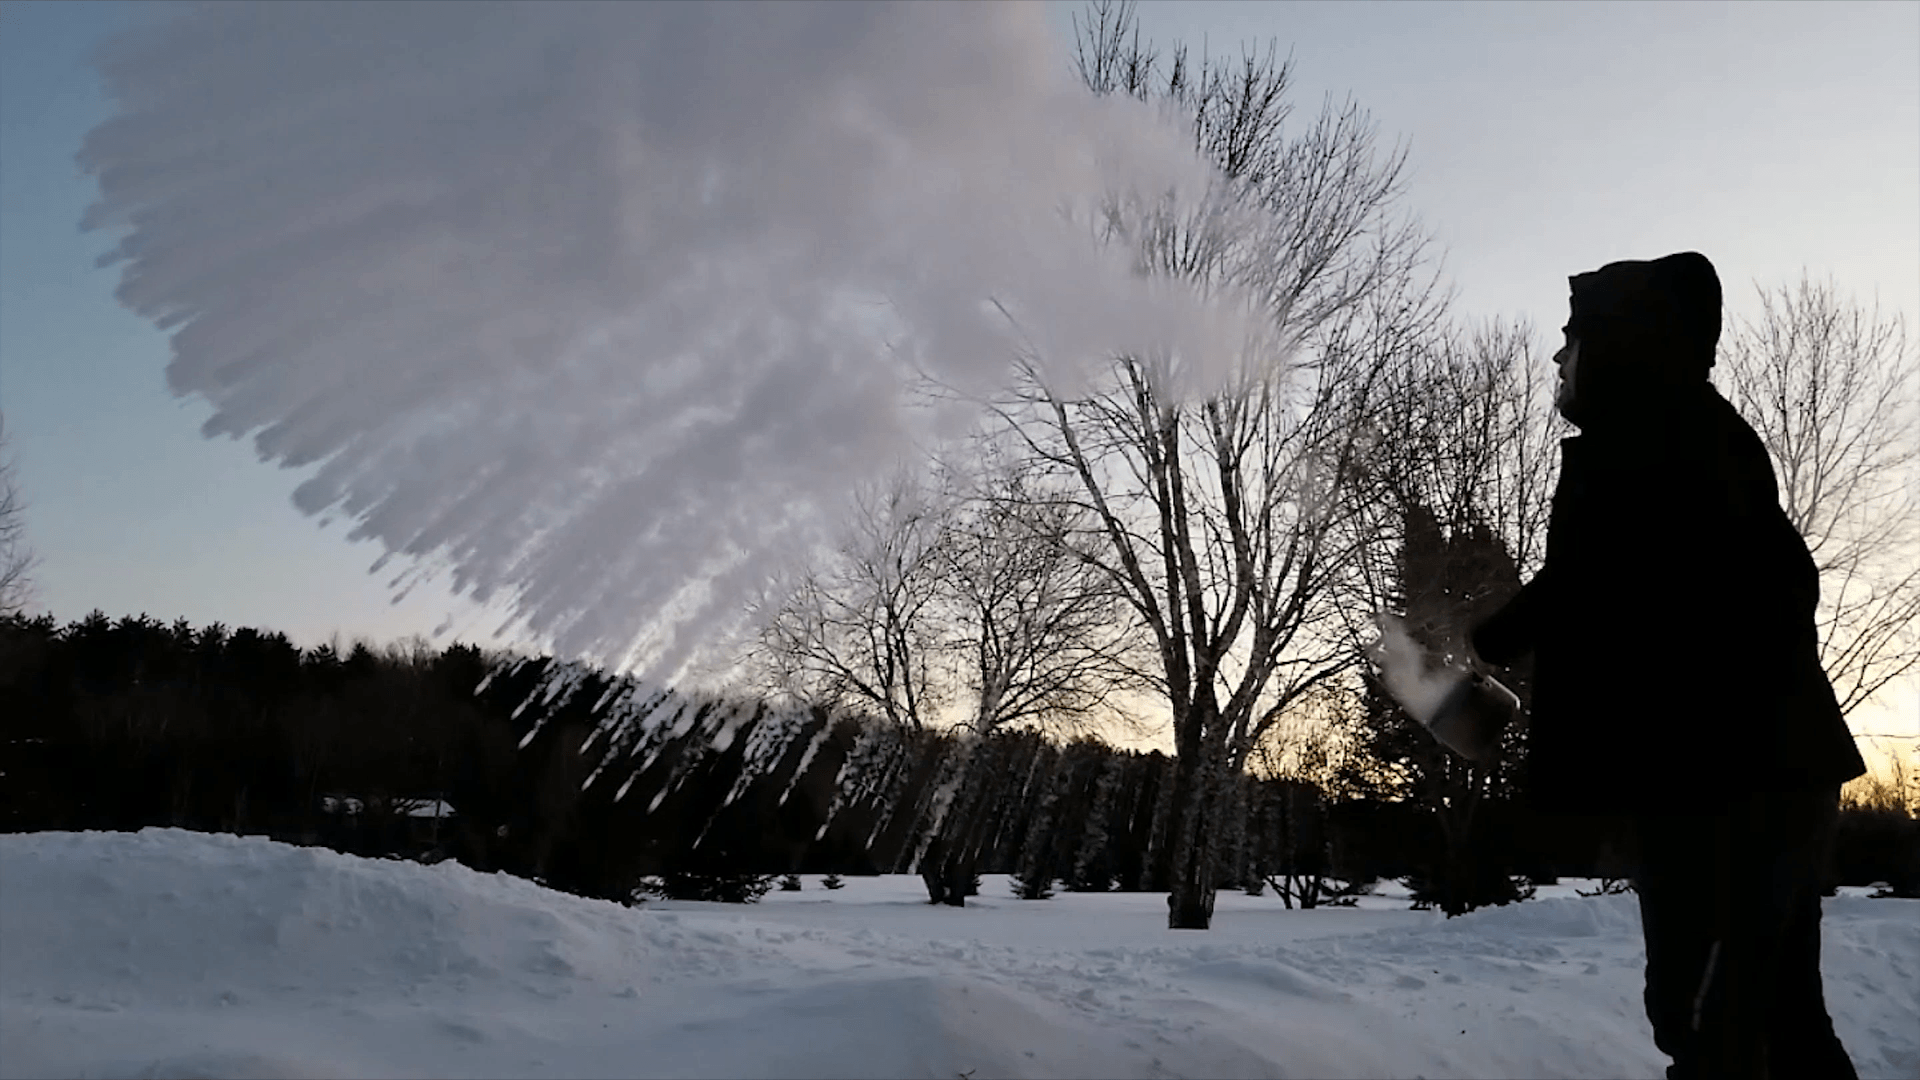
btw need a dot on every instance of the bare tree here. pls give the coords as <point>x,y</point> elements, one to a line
<point>969,593</point>
<point>1215,513</point>
<point>965,593</point>
<point>858,631</point>
<point>1319,742</point>
<point>1037,633</point>
<point>16,559</point>
<point>1317,754</point>
<point>1464,430</point>
<point>1833,389</point>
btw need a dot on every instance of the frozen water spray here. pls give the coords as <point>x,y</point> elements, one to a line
<point>1465,709</point>
<point>595,308</point>
<point>1419,686</point>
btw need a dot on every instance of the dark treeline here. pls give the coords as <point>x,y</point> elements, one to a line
<point>415,753</point>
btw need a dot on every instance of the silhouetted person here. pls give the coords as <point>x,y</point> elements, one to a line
<point>1677,677</point>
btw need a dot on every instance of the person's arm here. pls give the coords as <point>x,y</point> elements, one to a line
<point>1510,633</point>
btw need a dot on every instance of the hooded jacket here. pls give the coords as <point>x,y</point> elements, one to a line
<point>1676,659</point>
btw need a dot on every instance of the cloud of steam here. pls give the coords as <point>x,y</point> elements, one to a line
<point>597,307</point>
<point>1404,668</point>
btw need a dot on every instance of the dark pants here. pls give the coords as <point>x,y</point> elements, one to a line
<point>1730,906</point>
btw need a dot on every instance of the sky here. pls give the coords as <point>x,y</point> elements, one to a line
<point>1544,140</point>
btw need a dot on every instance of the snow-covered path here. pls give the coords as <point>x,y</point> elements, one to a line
<point>166,953</point>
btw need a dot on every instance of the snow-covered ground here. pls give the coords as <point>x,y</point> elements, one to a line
<point>174,954</point>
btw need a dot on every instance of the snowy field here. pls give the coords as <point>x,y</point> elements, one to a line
<point>175,954</point>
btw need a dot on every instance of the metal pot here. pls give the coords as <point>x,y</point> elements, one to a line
<point>1472,716</point>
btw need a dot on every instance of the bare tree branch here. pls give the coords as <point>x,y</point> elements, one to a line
<point>1833,389</point>
<point>976,595</point>
<point>858,631</point>
<point>16,559</point>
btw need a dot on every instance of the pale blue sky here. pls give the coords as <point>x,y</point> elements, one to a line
<point>1545,139</point>
<point>131,509</point>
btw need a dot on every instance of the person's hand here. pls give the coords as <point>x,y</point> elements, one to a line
<point>1471,657</point>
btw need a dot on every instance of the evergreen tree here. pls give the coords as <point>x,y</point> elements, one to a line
<point>1093,862</point>
<point>1034,874</point>
<point>721,887</point>
<point>1447,578</point>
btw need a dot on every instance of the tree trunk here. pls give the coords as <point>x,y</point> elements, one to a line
<point>1190,900</point>
<point>933,871</point>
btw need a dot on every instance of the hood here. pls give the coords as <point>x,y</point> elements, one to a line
<point>1647,331</point>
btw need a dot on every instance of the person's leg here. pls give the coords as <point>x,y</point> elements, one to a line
<point>1674,877</point>
<point>1764,1013</point>
<point>1732,999</point>
<point>1730,910</point>
<point>1801,1040</point>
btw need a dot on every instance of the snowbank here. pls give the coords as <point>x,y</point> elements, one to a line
<point>167,953</point>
